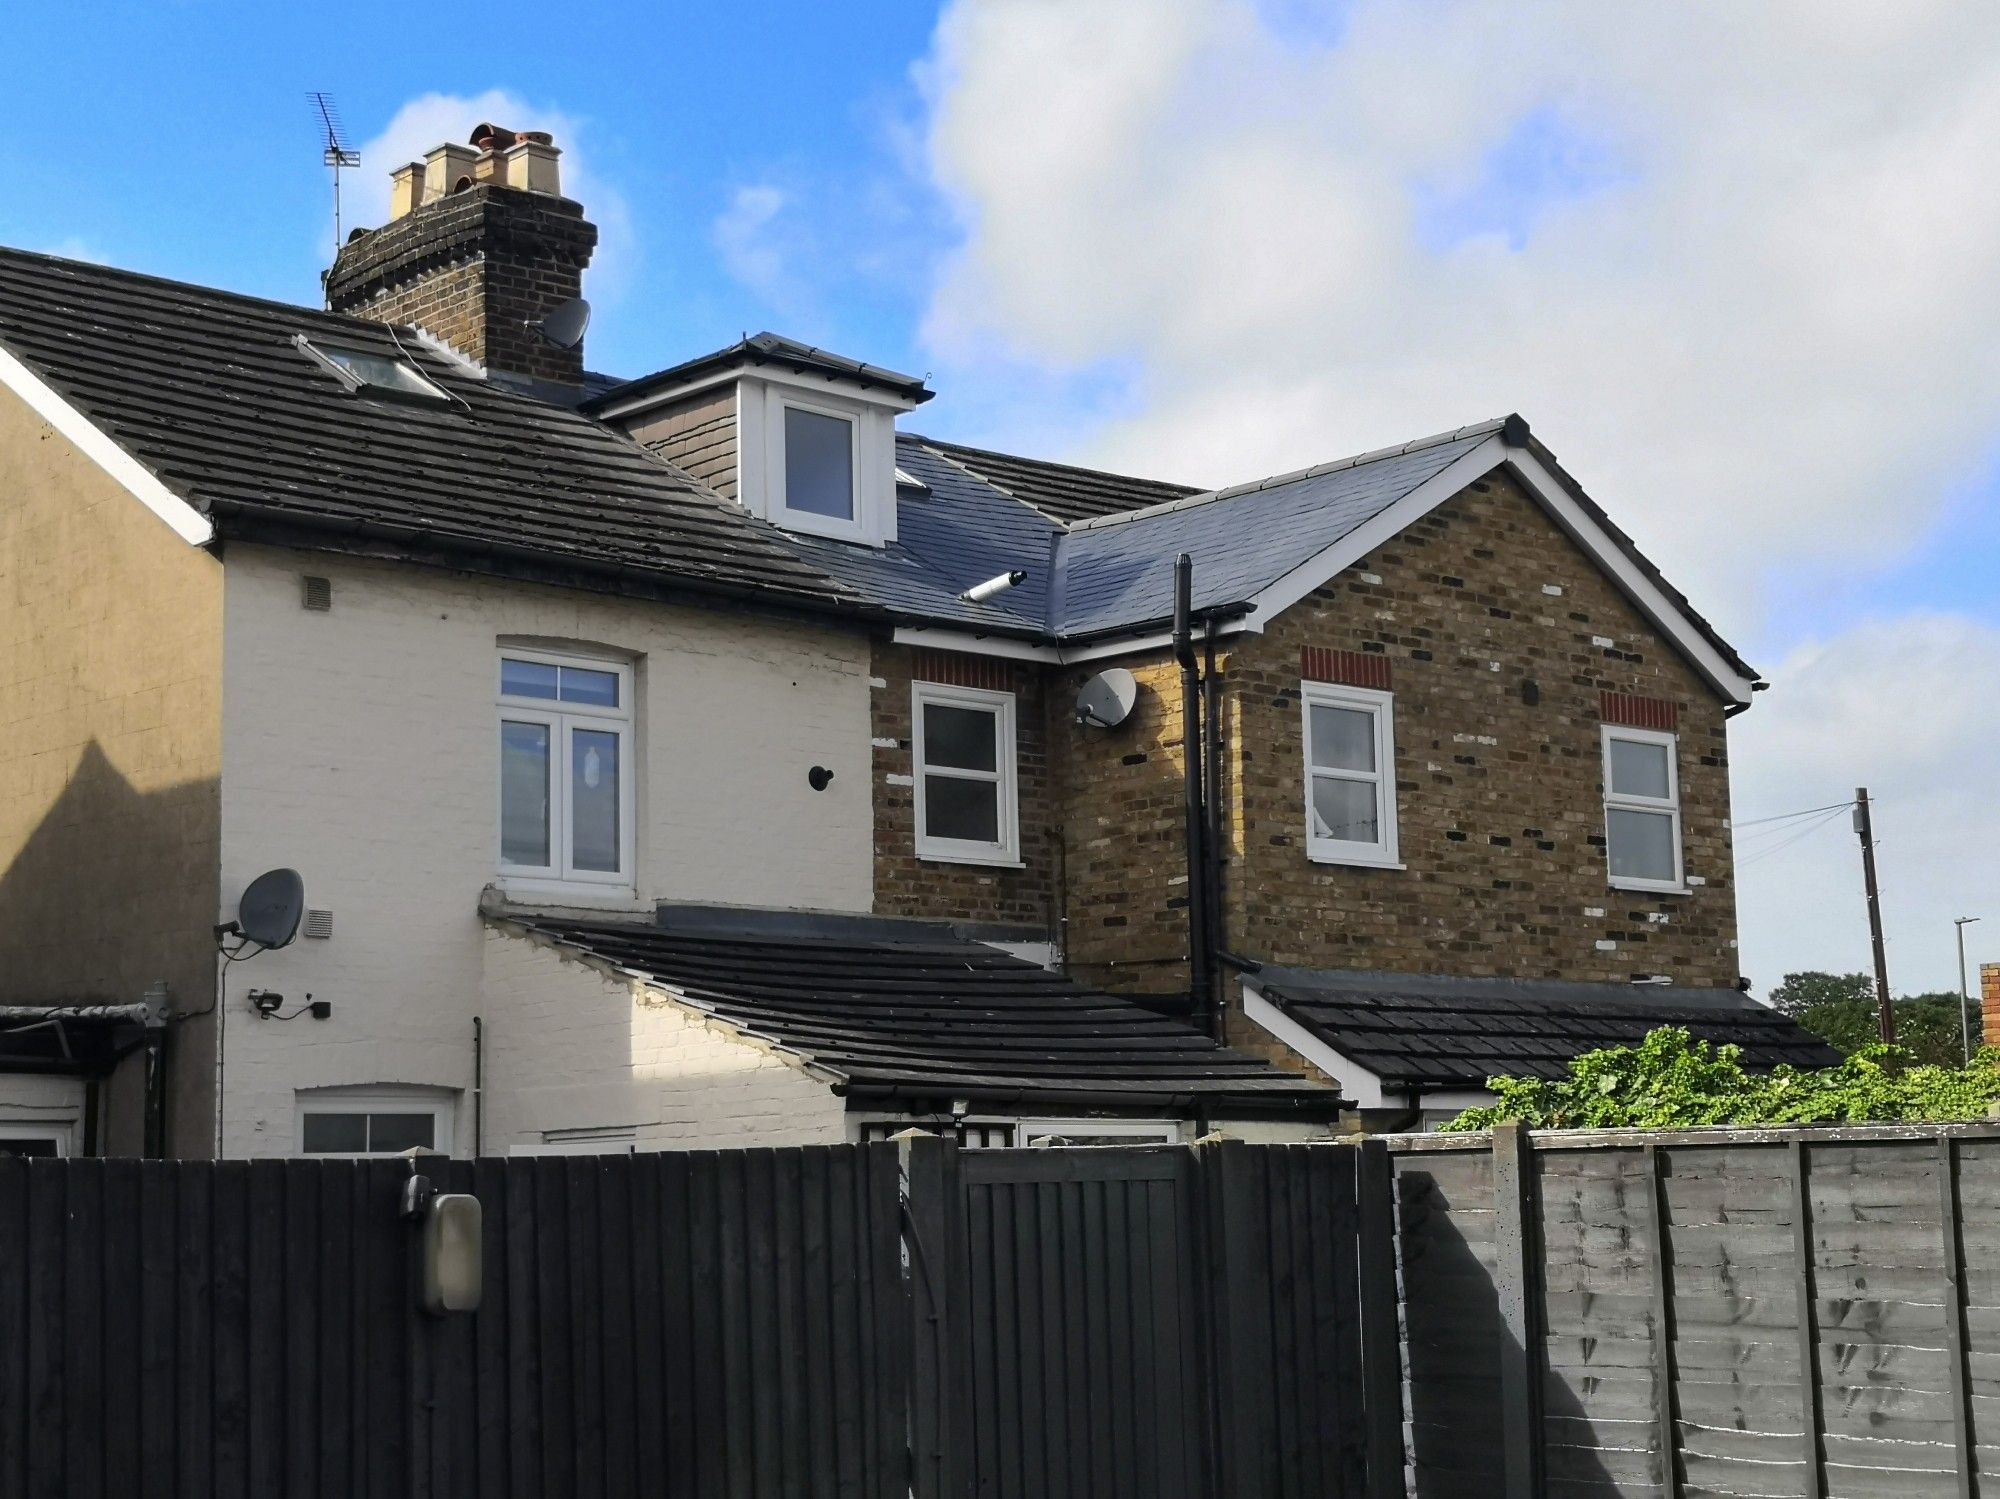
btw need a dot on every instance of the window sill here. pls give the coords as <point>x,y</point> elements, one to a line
<point>1355,861</point>
<point>605,897</point>
<point>1651,887</point>
<point>986,861</point>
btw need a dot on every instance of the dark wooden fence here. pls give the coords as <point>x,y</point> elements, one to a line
<point>1145,1322</point>
<point>1811,1312</point>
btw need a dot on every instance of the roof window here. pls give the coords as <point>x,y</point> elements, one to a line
<point>370,374</point>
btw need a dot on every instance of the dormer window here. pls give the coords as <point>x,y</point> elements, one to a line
<point>817,479</point>
<point>370,374</point>
<point>802,437</point>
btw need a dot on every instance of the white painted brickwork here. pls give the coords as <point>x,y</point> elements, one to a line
<point>359,748</point>
<point>569,1046</point>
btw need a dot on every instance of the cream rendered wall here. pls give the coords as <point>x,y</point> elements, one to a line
<point>571,1046</point>
<point>359,747</point>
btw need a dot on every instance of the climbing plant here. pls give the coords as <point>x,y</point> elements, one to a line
<point>1671,1080</point>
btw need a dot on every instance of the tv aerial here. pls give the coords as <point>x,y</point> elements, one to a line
<point>336,150</point>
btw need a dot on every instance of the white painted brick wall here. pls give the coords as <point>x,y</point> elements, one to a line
<point>569,1046</point>
<point>359,748</point>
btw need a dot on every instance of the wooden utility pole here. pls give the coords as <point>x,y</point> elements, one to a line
<point>1864,827</point>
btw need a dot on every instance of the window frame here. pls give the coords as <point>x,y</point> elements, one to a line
<point>1006,851</point>
<point>1384,852</point>
<point>561,873</point>
<point>1028,1130</point>
<point>440,1104</point>
<point>1670,805</point>
<point>855,527</point>
<point>61,1131</point>
<point>430,394</point>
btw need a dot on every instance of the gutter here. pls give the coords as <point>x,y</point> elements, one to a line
<point>1325,1103</point>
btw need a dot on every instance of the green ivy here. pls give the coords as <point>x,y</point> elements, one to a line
<point>1670,1080</point>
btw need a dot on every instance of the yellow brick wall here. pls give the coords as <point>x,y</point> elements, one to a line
<point>110,750</point>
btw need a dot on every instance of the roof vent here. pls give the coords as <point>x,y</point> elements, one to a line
<point>315,593</point>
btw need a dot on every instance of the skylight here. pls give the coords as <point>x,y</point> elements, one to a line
<point>371,374</point>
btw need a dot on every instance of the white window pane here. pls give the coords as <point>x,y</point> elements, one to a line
<point>965,810</point>
<point>963,738</point>
<point>819,464</point>
<point>1639,768</point>
<point>1343,738</point>
<point>593,809</point>
<point>580,684</point>
<point>1642,845</point>
<point>339,1134</point>
<point>524,793</point>
<point>388,1133</point>
<point>527,679</point>
<point>1345,810</point>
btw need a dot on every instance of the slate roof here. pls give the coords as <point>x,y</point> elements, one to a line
<point>1436,1032</point>
<point>207,390</point>
<point>906,1011</point>
<point>1060,491</point>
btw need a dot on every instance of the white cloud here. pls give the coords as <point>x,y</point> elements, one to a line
<point>746,236</point>
<point>1775,329</point>
<point>1904,707</point>
<point>431,119</point>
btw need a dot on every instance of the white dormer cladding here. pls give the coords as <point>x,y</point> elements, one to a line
<point>800,437</point>
<point>792,429</point>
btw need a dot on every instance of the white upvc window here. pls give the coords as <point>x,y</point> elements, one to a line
<point>1098,1132</point>
<point>963,742</point>
<point>1350,775</point>
<point>38,1138</point>
<point>566,757</point>
<point>1642,809</point>
<point>816,485</point>
<point>373,1121</point>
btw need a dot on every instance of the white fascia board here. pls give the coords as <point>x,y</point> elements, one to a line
<point>1645,595</point>
<point>1358,1085</point>
<point>965,642</point>
<point>1326,565</point>
<point>133,476</point>
<point>851,388</point>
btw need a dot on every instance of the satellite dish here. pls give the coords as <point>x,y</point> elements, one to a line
<point>1106,700</point>
<point>564,326</point>
<point>268,914</point>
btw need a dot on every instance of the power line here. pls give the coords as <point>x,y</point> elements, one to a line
<point>1797,835</point>
<point>1787,816</point>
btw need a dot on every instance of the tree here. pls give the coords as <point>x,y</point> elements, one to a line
<point>1670,1080</point>
<point>1839,1008</point>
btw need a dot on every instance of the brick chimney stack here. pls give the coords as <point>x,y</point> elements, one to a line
<point>480,244</point>
<point>1989,1002</point>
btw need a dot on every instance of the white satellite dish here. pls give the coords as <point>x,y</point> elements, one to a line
<point>1105,701</point>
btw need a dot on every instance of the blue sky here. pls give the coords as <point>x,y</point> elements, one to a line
<point>1738,275</point>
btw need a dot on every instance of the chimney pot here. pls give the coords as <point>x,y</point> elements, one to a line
<point>445,168</point>
<point>1989,1002</point>
<point>406,188</point>
<point>531,166</point>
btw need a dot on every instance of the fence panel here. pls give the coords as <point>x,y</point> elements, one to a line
<point>697,1324</point>
<point>1811,1312</point>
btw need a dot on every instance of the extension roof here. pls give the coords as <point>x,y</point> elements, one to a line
<point>1424,1031</point>
<point>208,391</point>
<point>1099,550</point>
<point>906,1012</point>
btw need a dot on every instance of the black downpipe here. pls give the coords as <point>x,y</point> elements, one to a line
<point>1211,844</point>
<point>1200,986</point>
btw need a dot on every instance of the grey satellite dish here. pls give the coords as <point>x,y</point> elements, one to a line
<point>1106,700</point>
<point>564,326</point>
<point>268,914</point>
